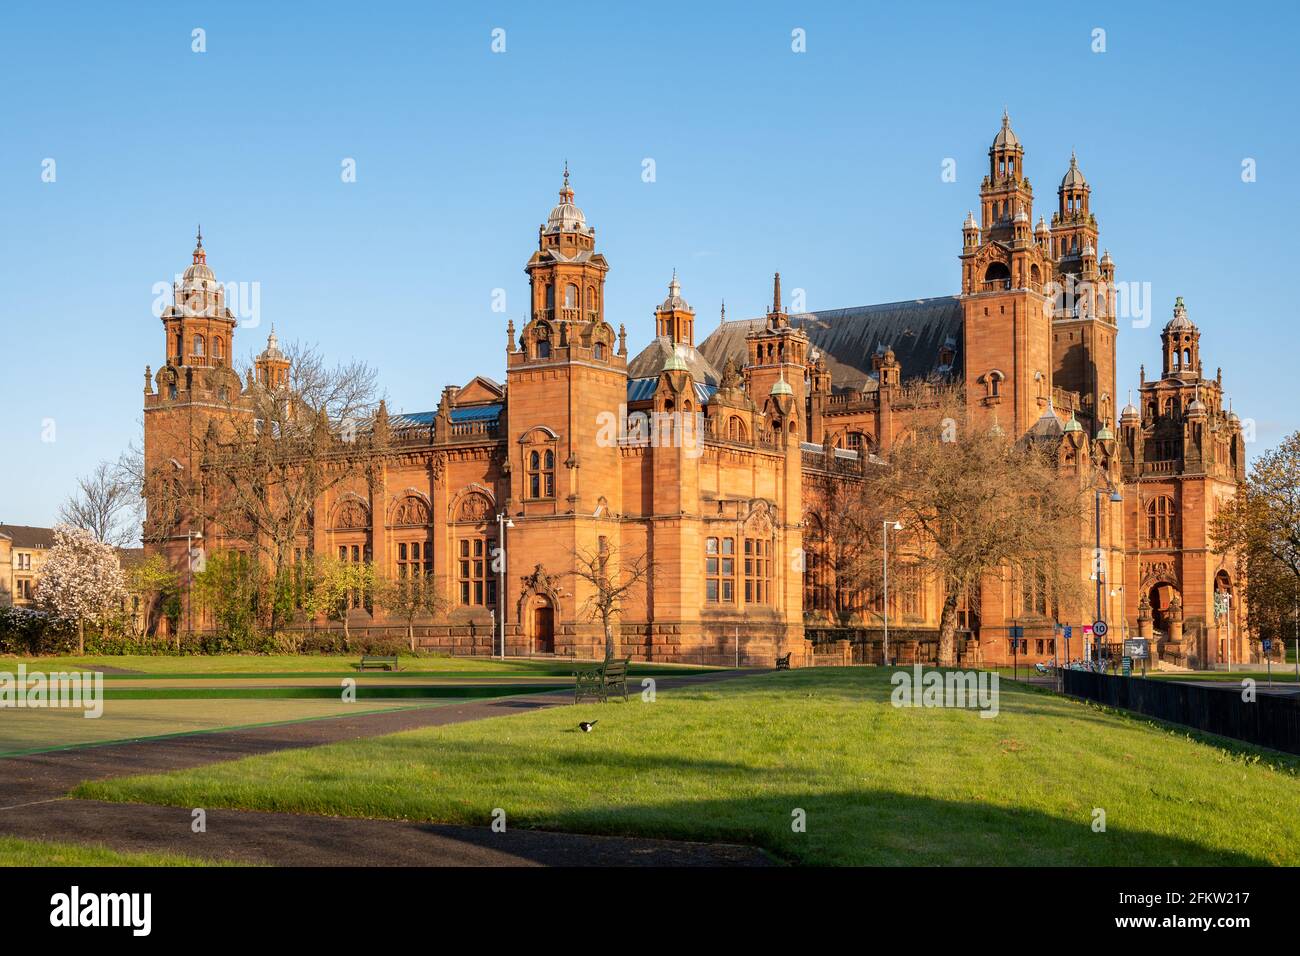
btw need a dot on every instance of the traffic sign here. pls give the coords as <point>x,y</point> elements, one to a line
<point>1267,645</point>
<point>1099,628</point>
<point>1068,632</point>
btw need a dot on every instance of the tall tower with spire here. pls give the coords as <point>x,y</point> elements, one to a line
<point>1084,330</point>
<point>1183,454</point>
<point>1005,305</point>
<point>778,362</point>
<point>193,388</point>
<point>567,368</point>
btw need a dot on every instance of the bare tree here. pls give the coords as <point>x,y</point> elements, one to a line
<point>266,463</point>
<point>842,538</point>
<point>611,580</point>
<point>106,504</point>
<point>976,503</point>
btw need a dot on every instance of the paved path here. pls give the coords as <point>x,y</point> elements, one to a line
<point>33,804</point>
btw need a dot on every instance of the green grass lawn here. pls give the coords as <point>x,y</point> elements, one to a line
<point>33,731</point>
<point>732,761</point>
<point>322,665</point>
<point>14,852</point>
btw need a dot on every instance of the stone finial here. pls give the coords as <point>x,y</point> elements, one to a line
<point>148,380</point>
<point>622,339</point>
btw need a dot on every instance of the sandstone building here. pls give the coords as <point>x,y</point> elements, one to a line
<point>696,453</point>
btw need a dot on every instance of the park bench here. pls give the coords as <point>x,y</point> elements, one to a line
<point>783,663</point>
<point>387,662</point>
<point>599,680</point>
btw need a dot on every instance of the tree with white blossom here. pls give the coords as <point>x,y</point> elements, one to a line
<point>81,581</point>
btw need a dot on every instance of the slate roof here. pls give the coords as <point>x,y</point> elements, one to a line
<point>642,389</point>
<point>847,338</point>
<point>650,361</point>
<point>27,536</point>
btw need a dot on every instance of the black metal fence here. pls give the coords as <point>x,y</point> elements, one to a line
<point>1269,721</point>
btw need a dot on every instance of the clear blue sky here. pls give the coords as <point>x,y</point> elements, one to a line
<point>824,165</point>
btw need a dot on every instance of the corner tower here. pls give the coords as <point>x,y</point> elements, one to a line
<point>1007,319</point>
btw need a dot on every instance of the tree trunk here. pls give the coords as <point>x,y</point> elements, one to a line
<point>410,634</point>
<point>609,641</point>
<point>948,629</point>
<point>347,634</point>
<point>81,636</point>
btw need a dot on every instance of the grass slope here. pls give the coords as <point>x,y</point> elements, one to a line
<point>15,852</point>
<point>733,761</point>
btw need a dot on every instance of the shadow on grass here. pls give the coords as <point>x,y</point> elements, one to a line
<point>878,828</point>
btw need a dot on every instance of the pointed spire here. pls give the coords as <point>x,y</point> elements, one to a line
<point>724,311</point>
<point>776,293</point>
<point>200,255</point>
<point>566,172</point>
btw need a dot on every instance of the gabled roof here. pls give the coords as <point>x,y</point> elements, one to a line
<point>917,331</point>
<point>27,536</point>
<point>480,388</point>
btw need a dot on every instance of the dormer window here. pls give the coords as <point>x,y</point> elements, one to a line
<point>598,350</point>
<point>543,348</point>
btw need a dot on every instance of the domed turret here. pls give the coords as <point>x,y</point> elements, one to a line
<point>1074,175</point>
<point>1006,137</point>
<point>566,216</point>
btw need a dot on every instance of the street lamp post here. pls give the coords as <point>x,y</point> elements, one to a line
<point>1096,560</point>
<point>897,526</point>
<point>190,538</point>
<point>503,522</point>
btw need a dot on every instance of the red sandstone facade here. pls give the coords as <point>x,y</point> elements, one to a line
<point>696,456</point>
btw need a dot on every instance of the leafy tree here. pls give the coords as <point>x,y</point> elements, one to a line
<point>81,581</point>
<point>340,586</point>
<point>408,598</point>
<point>155,584</point>
<point>230,587</point>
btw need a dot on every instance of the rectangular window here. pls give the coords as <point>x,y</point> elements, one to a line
<point>720,570</point>
<point>758,571</point>
<point>474,571</point>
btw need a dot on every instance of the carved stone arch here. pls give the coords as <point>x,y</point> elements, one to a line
<point>350,513</point>
<point>411,508</point>
<point>761,519</point>
<point>537,589</point>
<point>472,504</point>
<point>538,435</point>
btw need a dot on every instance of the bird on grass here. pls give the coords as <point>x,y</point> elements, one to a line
<point>587,725</point>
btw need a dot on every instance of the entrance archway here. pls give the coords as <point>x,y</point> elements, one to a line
<point>543,629</point>
<point>1161,595</point>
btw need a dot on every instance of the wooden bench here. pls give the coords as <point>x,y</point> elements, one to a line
<point>386,662</point>
<point>783,663</point>
<point>599,680</point>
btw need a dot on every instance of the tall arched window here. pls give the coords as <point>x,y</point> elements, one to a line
<point>541,473</point>
<point>1160,518</point>
<point>570,296</point>
<point>198,345</point>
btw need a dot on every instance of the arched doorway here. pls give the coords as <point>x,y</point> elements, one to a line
<point>543,628</point>
<point>1160,596</point>
<point>1223,612</point>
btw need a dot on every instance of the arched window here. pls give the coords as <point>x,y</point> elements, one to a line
<point>198,345</point>
<point>1160,518</point>
<point>736,430</point>
<point>218,349</point>
<point>997,272</point>
<point>541,473</point>
<point>570,296</point>
<point>598,350</point>
<point>550,296</point>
